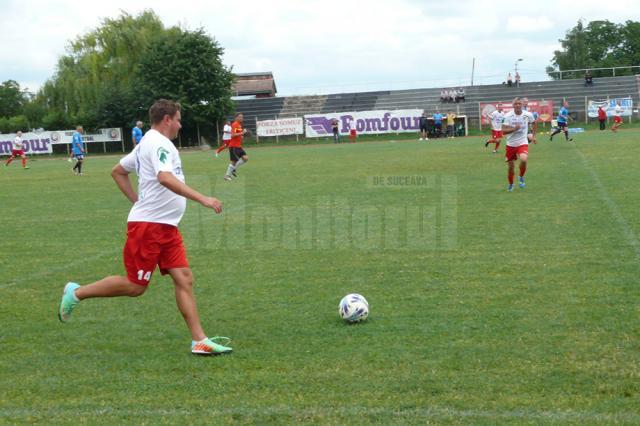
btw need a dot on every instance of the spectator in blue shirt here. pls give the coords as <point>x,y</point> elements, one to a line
<point>563,119</point>
<point>77,148</point>
<point>437,121</point>
<point>136,133</point>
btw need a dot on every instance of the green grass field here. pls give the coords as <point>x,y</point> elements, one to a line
<point>486,306</point>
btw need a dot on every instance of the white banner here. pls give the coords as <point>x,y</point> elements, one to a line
<point>367,122</point>
<point>33,143</point>
<point>103,135</point>
<point>280,127</point>
<point>610,107</point>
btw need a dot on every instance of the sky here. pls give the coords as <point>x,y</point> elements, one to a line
<point>321,47</point>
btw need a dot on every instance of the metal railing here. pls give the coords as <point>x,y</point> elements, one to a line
<point>584,70</point>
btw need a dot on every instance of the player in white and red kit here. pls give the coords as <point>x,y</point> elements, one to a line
<point>516,126</point>
<point>617,117</point>
<point>17,150</point>
<point>153,238</point>
<point>496,118</point>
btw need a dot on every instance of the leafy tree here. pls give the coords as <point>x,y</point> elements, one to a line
<point>56,120</point>
<point>103,59</point>
<point>186,66</point>
<point>599,44</point>
<point>18,122</point>
<point>4,125</point>
<point>12,98</point>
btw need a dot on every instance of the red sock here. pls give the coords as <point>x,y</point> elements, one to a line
<point>497,145</point>
<point>510,176</point>
<point>523,169</point>
<point>9,161</point>
<point>24,162</point>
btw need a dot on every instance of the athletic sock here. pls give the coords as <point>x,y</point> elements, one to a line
<point>79,166</point>
<point>230,169</point>
<point>523,169</point>
<point>510,176</point>
<point>24,162</point>
<point>239,163</point>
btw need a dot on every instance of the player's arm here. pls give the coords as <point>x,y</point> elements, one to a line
<point>510,129</point>
<point>121,177</point>
<point>172,183</point>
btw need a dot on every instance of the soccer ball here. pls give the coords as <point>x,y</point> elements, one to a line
<point>354,308</point>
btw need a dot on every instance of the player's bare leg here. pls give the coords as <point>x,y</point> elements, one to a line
<point>186,301</point>
<point>112,286</point>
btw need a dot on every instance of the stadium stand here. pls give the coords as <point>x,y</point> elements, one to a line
<point>574,91</point>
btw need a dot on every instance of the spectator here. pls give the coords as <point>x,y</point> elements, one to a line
<point>336,131</point>
<point>424,130</point>
<point>443,95</point>
<point>602,117</point>
<point>460,95</point>
<point>588,79</point>
<point>509,80</point>
<point>517,79</point>
<point>451,122</point>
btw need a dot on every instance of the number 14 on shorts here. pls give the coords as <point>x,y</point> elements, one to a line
<point>142,275</point>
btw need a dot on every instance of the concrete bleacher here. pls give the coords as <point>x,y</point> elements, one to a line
<point>574,91</point>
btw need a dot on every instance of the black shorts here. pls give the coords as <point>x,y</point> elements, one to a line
<point>562,125</point>
<point>423,128</point>
<point>236,153</point>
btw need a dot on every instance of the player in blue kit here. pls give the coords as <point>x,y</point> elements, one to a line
<point>136,133</point>
<point>563,119</point>
<point>77,149</point>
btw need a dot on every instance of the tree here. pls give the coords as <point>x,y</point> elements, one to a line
<point>186,66</point>
<point>104,59</point>
<point>12,98</point>
<point>599,44</point>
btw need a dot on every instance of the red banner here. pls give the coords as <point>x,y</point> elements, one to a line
<point>542,110</point>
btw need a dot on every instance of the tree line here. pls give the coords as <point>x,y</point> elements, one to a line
<point>598,44</point>
<point>110,76</point>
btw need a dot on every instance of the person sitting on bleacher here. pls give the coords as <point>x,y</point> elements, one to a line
<point>588,79</point>
<point>443,95</point>
<point>460,95</point>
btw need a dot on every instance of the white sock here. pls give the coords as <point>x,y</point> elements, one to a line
<point>230,169</point>
<point>239,163</point>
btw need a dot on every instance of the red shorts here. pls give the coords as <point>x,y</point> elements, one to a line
<point>496,134</point>
<point>149,245</point>
<point>17,152</point>
<point>352,133</point>
<point>617,119</point>
<point>514,151</point>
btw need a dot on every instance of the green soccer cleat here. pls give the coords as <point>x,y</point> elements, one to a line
<point>209,347</point>
<point>69,301</point>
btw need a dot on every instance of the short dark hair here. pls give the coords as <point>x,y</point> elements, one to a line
<point>163,107</point>
<point>237,114</point>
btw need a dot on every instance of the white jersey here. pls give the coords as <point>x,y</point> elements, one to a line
<point>17,143</point>
<point>519,137</point>
<point>352,125</point>
<point>226,132</point>
<point>496,118</point>
<point>618,111</point>
<point>155,203</point>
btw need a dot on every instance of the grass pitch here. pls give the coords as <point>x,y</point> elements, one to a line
<point>486,306</point>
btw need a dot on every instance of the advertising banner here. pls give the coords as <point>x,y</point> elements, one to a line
<point>367,122</point>
<point>33,143</point>
<point>541,109</point>
<point>610,107</point>
<point>103,135</point>
<point>280,127</point>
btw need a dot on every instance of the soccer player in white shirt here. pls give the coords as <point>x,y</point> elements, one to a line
<point>516,126</point>
<point>17,150</point>
<point>617,117</point>
<point>496,118</point>
<point>353,134</point>
<point>153,238</point>
<point>226,137</point>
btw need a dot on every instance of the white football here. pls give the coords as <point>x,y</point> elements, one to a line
<point>354,308</point>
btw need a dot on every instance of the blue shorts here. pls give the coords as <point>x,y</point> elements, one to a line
<point>79,157</point>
